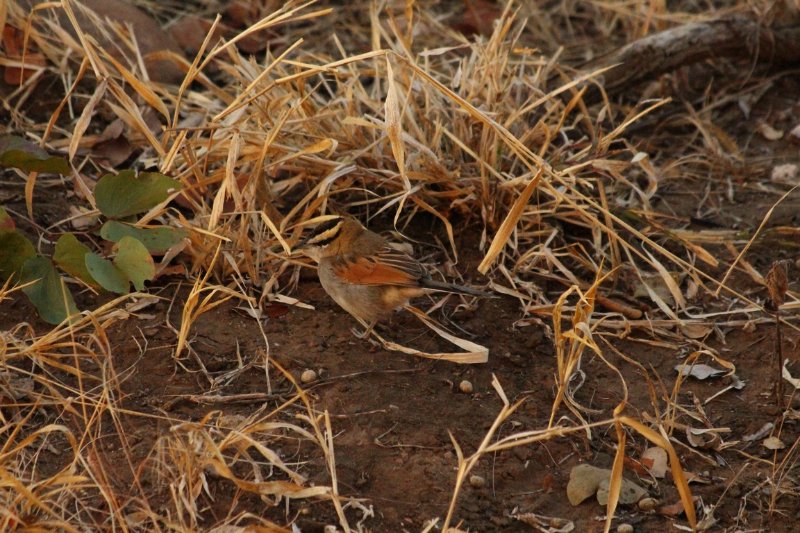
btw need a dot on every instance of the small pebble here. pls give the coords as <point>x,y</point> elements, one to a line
<point>465,387</point>
<point>647,504</point>
<point>308,376</point>
<point>477,481</point>
<point>624,528</point>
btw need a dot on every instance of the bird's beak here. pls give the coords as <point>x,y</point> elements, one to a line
<point>301,247</point>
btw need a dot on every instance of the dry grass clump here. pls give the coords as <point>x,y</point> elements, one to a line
<point>62,415</point>
<point>468,130</point>
<point>246,451</point>
<point>388,114</point>
<point>55,390</point>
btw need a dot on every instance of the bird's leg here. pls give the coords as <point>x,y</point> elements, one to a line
<point>368,329</point>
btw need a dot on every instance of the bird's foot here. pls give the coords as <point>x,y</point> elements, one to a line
<point>363,334</point>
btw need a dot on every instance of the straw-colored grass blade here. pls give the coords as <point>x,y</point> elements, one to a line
<point>394,125</point>
<point>85,118</point>
<point>474,354</point>
<point>508,225</point>
<point>615,483</point>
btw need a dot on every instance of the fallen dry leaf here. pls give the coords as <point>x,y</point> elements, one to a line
<point>80,217</point>
<point>13,44</point>
<point>658,285</point>
<point>707,439</point>
<point>641,467</point>
<point>695,331</point>
<point>777,281</point>
<point>786,174</point>
<point>675,509</point>
<point>788,377</point>
<point>150,37</point>
<point>768,132</point>
<point>658,459</point>
<point>190,31</point>
<point>773,443</point>
<point>478,18</point>
<point>700,371</point>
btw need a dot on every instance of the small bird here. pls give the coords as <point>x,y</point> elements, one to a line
<point>365,275</point>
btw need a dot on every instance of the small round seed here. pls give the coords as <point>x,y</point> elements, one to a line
<point>308,376</point>
<point>647,504</point>
<point>465,387</point>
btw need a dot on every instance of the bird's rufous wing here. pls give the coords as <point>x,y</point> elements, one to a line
<point>388,267</point>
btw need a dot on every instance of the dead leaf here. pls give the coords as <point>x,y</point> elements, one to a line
<point>786,174</point>
<point>190,32</point>
<point>658,285</point>
<point>658,460</point>
<point>112,144</point>
<point>675,509</point>
<point>777,281</point>
<point>81,218</point>
<point>707,439</point>
<point>13,44</point>
<point>695,330</point>
<point>788,377</point>
<point>114,151</point>
<point>773,443</point>
<point>150,37</point>
<point>478,18</point>
<point>640,467</point>
<point>700,371</point>
<point>768,132</point>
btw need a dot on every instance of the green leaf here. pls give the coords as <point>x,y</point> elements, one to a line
<point>48,293</point>
<point>18,153</point>
<point>70,255</point>
<point>6,222</point>
<point>107,274</point>
<point>15,249</point>
<point>156,240</point>
<point>135,261</point>
<point>125,194</point>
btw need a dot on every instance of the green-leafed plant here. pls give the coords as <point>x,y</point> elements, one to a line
<point>120,198</point>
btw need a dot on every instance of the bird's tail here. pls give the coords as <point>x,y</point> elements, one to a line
<point>457,289</point>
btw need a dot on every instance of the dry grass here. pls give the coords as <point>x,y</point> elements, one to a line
<point>392,116</point>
